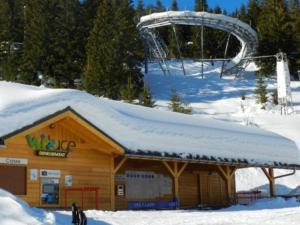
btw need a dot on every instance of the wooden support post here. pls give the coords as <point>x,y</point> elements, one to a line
<point>199,189</point>
<point>270,175</point>
<point>112,185</point>
<point>114,170</point>
<point>227,173</point>
<point>176,182</point>
<point>176,174</point>
<point>272,183</point>
<point>119,165</point>
<point>168,168</point>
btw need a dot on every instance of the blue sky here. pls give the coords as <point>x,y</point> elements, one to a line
<point>229,5</point>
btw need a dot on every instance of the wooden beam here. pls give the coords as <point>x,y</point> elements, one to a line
<point>175,173</point>
<point>168,168</point>
<point>227,174</point>
<point>270,175</point>
<point>266,173</point>
<point>176,181</point>
<point>223,172</point>
<point>112,185</point>
<point>199,189</point>
<point>272,183</point>
<point>182,168</point>
<point>175,168</point>
<point>232,171</point>
<point>119,165</point>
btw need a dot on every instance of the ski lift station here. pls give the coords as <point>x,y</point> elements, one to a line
<point>59,146</point>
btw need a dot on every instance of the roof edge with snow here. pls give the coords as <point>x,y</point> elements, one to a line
<point>50,116</point>
<point>157,155</point>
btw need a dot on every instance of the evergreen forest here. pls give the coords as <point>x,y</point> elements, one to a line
<point>94,45</point>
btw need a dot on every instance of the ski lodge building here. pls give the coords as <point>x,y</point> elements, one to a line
<point>62,146</point>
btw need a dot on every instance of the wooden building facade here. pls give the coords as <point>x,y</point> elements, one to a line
<point>40,162</point>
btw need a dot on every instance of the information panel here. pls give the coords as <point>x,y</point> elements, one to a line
<point>146,185</point>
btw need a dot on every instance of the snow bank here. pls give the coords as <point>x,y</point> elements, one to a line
<point>264,212</point>
<point>14,211</point>
<point>268,203</point>
<point>144,129</point>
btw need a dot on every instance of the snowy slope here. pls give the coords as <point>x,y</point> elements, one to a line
<point>220,99</point>
<point>141,128</point>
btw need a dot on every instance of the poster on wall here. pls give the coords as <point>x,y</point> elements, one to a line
<point>146,185</point>
<point>50,173</point>
<point>33,174</point>
<point>14,161</point>
<point>68,181</point>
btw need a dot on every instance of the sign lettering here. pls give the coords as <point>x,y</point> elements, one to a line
<point>46,146</point>
<point>14,161</point>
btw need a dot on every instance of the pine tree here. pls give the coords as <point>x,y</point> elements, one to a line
<point>174,5</point>
<point>129,55</point>
<point>261,91</point>
<point>295,17</point>
<point>113,53</point>
<point>11,38</point>
<point>253,12</point>
<point>159,6</point>
<point>89,10</point>
<point>65,50</point>
<point>101,52</point>
<point>294,4</point>
<point>243,14</point>
<point>5,40</point>
<point>128,92</point>
<point>173,48</point>
<point>177,106</point>
<point>297,37</point>
<point>140,9</point>
<point>201,5</point>
<point>276,32</point>
<point>146,98</point>
<point>35,40</point>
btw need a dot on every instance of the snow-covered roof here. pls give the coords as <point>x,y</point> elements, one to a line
<point>144,130</point>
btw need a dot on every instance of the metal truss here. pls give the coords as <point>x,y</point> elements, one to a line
<point>242,31</point>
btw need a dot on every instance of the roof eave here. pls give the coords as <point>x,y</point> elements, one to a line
<point>237,164</point>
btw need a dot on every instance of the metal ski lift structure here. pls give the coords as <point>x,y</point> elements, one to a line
<point>156,49</point>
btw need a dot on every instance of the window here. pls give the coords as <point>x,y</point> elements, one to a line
<point>13,179</point>
<point>50,191</point>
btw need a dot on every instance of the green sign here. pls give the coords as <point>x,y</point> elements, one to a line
<point>46,146</point>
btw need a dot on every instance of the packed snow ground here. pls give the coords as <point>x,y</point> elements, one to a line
<point>14,211</point>
<point>212,97</point>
